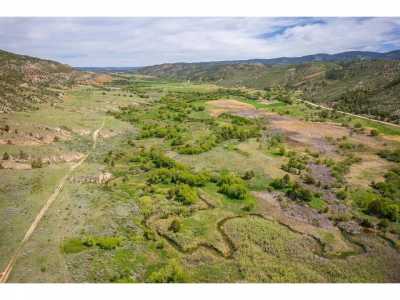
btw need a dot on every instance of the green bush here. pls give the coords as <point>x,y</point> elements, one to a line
<point>296,164</point>
<point>184,194</point>
<point>175,226</point>
<point>374,132</point>
<point>234,191</point>
<point>390,155</point>
<point>170,273</point>
<point>292,190</point>
<point>6,156</point>
<point>37,163</point>
<point>107,242</point>
<point>176,176</point>
<point>73,245</point>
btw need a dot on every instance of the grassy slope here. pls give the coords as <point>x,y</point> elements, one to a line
<point>327,82</point>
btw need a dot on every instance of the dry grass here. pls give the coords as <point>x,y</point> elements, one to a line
<point>218,107</point>
<point>371,168</point>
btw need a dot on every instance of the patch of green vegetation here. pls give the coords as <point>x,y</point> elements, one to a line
<point>390,155</point>
<point>296,164</point>
<point>184,194</point>
<point>76,245</point>
<point>292,189</point>
<point>171,119</point>
<point>383,200</point>
<point>340,168</point>
<point>318,203</point>
<point>172,272</point>
<point>73,245</point>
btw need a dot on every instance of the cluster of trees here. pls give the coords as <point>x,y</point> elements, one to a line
<point>161,131</point>
<point>383,200</point>
<point>231,185</point>
<point>292,189</point>
<point>170,273</point>
<point>184,194</point>
<point>173,115</point>
<point>296,163</point>
<point>199,146</point>
<point>334,74</point>
<point>341,168</point>
<point>164,170</point>
<point>177,176</point>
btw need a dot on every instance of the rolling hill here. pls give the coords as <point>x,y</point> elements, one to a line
<point>360,82</point>
<point>26,81</point>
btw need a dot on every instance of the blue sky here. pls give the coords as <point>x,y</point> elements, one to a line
<point>148,41</point>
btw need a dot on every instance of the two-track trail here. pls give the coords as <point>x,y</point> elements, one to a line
<point>6,273</point>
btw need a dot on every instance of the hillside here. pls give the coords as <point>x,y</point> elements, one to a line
<point>367,85</point>
<point>26,81</point>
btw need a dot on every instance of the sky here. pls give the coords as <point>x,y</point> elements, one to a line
<point>123,42</point>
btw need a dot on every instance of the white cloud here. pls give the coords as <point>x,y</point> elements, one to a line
<point>144,41</point>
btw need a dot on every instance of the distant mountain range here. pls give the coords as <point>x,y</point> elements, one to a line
<point>321,57</point>
<point>106,69</point>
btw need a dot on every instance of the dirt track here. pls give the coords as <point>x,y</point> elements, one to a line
<point>6,273</point>
<point>350,114</point>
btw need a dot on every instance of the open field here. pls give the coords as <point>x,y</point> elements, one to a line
<point>196,183</point>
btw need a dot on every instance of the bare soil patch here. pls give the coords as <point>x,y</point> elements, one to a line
<point>218,107</point>
<point>372,167</point>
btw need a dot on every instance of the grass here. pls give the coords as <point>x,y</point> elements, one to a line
<point>317,203</point>
<point>108,233</point>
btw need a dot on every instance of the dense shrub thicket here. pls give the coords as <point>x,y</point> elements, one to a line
<point>292,189</point>
<point>384,200</point>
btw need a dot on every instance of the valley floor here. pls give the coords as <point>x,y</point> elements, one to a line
<point>154,181</point>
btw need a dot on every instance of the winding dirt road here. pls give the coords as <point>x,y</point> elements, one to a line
<point>6,273</point>
<point>349,114</point>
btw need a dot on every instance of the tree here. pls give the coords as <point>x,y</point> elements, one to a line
<point>6,156</point>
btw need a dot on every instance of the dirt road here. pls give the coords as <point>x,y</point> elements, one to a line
<point>350,114</point>
<point>6,273</point>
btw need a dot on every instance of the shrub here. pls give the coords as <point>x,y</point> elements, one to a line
<point>235,191</point>
<point>185,194</point>
<point>227,178</point>
<point>383,224</point>
<point>174,175</point>
<point>107,243</point>
<point>374,132</point>
<point>6,156</point>
<point>37,163</point>
<point>293,190</point>
<point>170,273</point>
<point>295,164</point>
<point>23,155</point>
<point>248,175</point>
<point>175,225</point>
<point>74,245</point>
<point>365,222</point>
<point>390,155</point>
